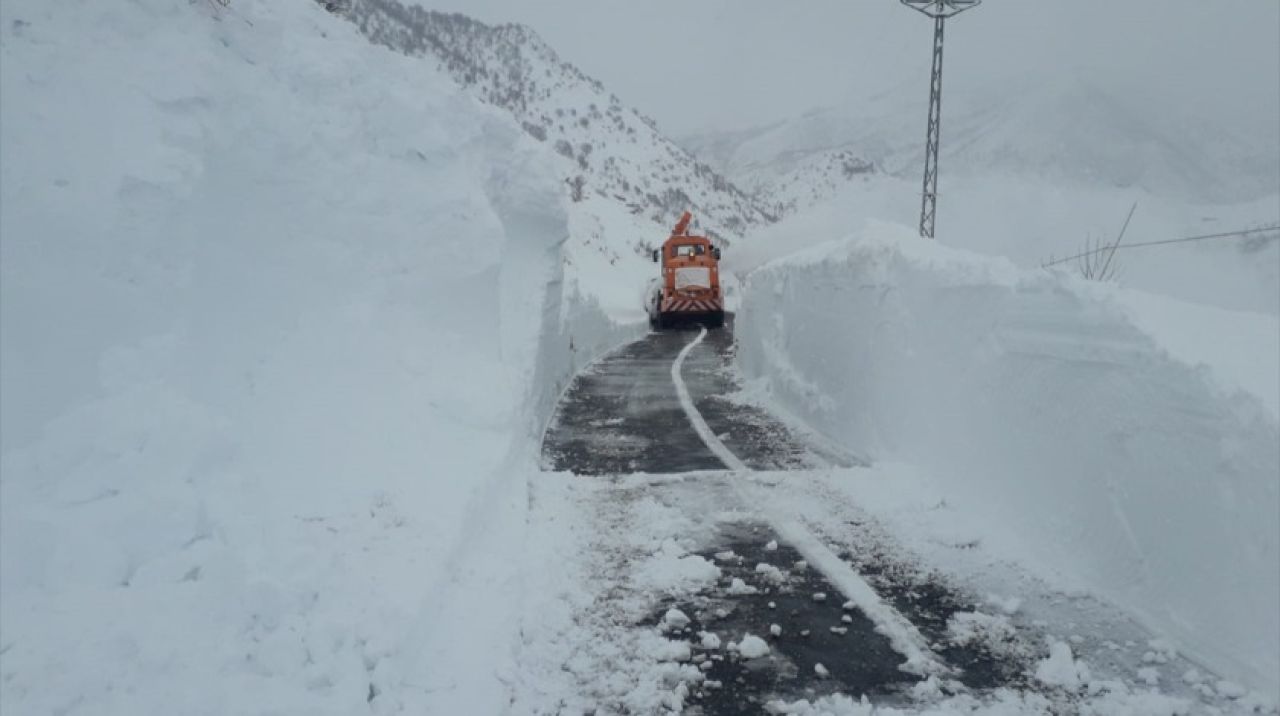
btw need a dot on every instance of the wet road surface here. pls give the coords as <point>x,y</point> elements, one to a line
<point>623,416</point>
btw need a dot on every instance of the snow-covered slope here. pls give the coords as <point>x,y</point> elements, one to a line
<point>1046,409</point>
<point>281,313</point>
<point>1032,174</point>
<point>1074,132</point>
<point>607,148</point>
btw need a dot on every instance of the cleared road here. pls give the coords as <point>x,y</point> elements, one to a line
<point>624,415</point>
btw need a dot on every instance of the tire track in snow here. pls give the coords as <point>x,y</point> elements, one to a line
<point>700,426</point>
<point>902,634</point>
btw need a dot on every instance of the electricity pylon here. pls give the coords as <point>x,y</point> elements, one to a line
<point>939,10</point>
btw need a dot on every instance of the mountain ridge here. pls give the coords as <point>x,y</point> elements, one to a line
<point>1077,131</point>
<point>609,148</point>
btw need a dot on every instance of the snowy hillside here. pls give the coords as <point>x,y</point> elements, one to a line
<point>1077,133</point>
<point>1032,174</point>
<point>811,180</point>
<point>607,148</point>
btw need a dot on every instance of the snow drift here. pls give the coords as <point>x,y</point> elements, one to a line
<point>1035,402</point>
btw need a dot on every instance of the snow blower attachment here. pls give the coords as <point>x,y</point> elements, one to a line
<point>689,293</point>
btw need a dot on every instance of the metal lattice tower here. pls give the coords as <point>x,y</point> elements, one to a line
<point>939,10</point>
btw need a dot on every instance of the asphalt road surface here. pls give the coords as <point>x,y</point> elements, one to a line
<point>623,415</point>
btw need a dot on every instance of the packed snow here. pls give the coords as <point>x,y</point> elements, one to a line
<point>751,647</point>
<point>1037,404</point>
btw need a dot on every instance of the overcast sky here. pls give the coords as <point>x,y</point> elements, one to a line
<point>724,64</point>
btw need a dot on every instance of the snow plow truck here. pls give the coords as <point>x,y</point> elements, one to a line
<point>688,292</point>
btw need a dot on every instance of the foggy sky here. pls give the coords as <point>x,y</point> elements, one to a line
<point>723,64</point>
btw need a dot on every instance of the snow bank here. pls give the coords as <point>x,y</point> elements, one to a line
<point>1038,405</point>
<point>1031,221</point>
<point>595,301</point>
<point>273,305</point>
<point>1240,349</point>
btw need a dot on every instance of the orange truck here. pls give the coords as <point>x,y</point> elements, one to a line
<point>689,291</point>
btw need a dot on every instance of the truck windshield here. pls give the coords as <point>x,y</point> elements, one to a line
<point>688,250</point>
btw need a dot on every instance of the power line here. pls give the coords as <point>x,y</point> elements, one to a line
<point>1223,235</point>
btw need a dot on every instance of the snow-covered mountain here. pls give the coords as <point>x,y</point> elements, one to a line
<point>1031,172</point>
<point>809,179</point>
<point>1079,132</point>
<point>608,148</point>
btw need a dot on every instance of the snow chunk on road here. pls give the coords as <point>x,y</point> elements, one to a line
<point>752,647</point>
<point>674,619</point>
<point>738,587</point>
<point>710,640</point>
<point>672,570</point>
<point>1061,668</point>
<point>771,573</point>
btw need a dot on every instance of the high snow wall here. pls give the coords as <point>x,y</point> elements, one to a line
<point>273,303</point>
<point>1038,406</point>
